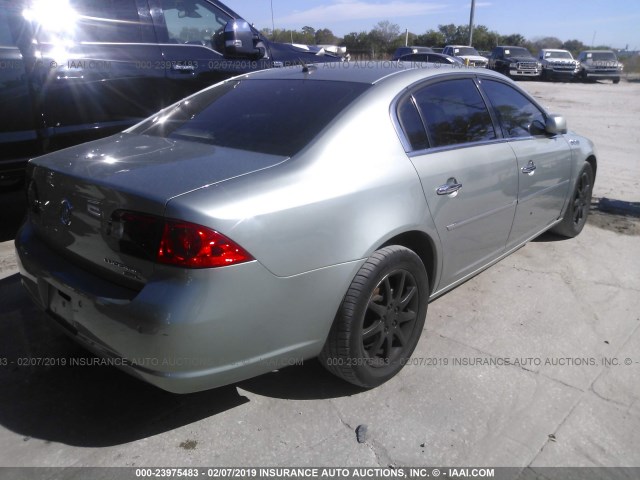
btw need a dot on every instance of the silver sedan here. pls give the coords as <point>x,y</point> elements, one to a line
<point>295,213</point>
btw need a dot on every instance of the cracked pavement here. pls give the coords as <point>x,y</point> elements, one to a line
<point>522,366</point>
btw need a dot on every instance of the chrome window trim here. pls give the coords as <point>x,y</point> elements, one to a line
<point>409,91</point>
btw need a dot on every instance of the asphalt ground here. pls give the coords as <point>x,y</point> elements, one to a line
<point>533,363</point>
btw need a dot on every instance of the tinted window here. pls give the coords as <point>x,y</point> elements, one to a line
<point>455,113</point>
<point>271,116</point>
<point>195,22</point>
<point>412,125</point>
<point>515,111</point>
<point>427,57</point>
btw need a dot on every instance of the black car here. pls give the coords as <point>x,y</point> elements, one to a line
<point>78,70</point>
<point>431,58</point>
<point>401,51</point>
<point>514,62</point>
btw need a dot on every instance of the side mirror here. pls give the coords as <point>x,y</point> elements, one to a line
<point>556,124</point>
<point>239,40</point>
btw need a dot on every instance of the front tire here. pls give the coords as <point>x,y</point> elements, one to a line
<point>380,320</point>
<point>577,212</point>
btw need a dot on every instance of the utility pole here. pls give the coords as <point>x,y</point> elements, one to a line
<point>273,23</point>
<point>473,10</point>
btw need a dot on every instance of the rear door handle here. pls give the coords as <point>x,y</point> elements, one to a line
<point>450,188</point>
<point>180,68</point>
<point>530,168</point>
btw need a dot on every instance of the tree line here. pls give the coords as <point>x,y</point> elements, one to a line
<point>382,40</point>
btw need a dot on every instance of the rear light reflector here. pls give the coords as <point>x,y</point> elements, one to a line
<point>174,242</point>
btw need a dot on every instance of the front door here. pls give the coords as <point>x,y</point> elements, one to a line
<point>544,162</point>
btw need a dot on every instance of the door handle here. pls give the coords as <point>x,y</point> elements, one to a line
<point>450,188</point>
<point>530,168</point>
<point>179,68</point>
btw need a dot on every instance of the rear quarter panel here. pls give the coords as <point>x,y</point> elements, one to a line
<point>337,201</point>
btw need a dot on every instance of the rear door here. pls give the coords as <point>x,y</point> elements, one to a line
<point>92,72</point>
<point>544,162</point>
<point>468,175</point>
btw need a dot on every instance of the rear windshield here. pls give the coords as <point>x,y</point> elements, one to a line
<point>277,117</point>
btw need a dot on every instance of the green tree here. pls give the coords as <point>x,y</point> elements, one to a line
<point>574,46</point>
<point>431,38</point>
<point>545,42</point>
<point>515,40</point>
<point>324,36</point>
<point>309,34</point>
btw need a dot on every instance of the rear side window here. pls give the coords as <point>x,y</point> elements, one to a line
<point>515,112</point>
<point>455,113</point>
<point>412,125</point>
<point>276,117</point>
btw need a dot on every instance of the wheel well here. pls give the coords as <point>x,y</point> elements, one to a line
<point>422,245</point>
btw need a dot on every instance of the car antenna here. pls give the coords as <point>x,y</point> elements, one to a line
<point>306,68</point>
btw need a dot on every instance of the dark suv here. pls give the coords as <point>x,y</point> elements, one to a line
<point>514,62</point>
<point>81,69</point>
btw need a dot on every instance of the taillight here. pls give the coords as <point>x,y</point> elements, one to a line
<point>174,242</point>
<point>194,246</point>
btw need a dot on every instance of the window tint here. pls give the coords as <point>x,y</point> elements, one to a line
<point>278,117</point>
<point>194,22</point>
<point>412,125</point>
<point>515,111</point>
<point>455,113</point>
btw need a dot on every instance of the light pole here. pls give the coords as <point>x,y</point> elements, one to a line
<point>473,9</point>
<point>273,23</point>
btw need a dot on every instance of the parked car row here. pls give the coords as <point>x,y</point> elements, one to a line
<point>518,62</point>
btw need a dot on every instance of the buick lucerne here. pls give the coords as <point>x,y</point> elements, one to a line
<point>300,212</point>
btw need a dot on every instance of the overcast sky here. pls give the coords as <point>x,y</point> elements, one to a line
<point>612,22</point>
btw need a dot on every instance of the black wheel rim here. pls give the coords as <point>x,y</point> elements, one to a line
<point>581,199</point>
<point>390,318</point>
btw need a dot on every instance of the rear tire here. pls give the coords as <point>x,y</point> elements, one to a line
<point>380,320</point>
<point>577,211</point>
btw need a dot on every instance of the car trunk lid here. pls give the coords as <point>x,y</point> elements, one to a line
<point>77,197</point>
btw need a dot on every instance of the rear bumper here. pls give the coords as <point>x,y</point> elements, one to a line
<point>187,331</point>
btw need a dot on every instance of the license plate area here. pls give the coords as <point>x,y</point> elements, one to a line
<point>62,305</point>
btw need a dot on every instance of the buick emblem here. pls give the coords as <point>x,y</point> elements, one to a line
<point>65,212</point>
